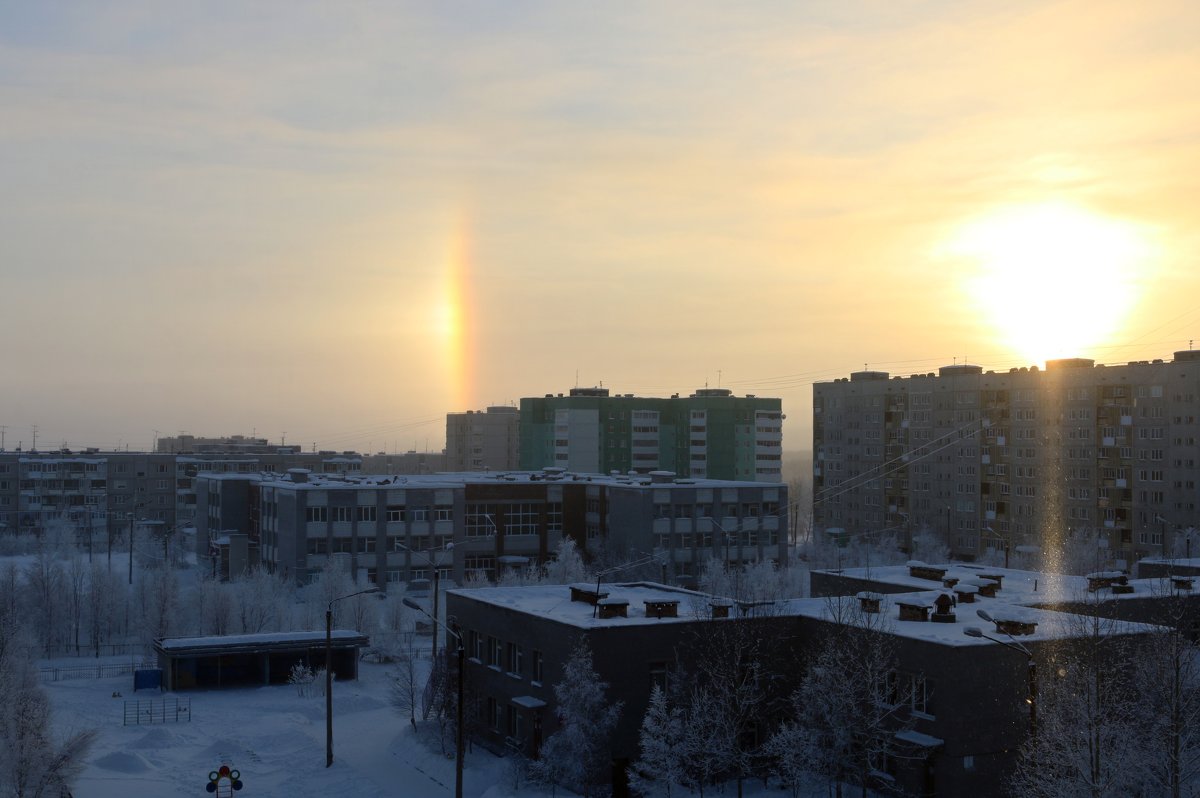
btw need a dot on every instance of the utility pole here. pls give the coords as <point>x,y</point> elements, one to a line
<point>33,446</point>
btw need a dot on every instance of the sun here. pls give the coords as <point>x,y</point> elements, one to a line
<point>1053,279</point>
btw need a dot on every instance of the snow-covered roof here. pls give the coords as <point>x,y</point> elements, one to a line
<point>1017,587</point>
<point>458,480</point>
<point>1051,624</point>
<point>262,640</point>
<point>553,602</point>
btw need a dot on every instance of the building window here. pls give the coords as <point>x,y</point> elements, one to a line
<point>493,659</point>
<point>366,513</point>
<point>443,514</point>
<point>538,665</point>
<point>480,520</point>
<point>554,518</point>
<point>418,514</point>
<point>395,514</point>
<point>521,519</point>
<point>514,724</point>
<point>343,514</point>
<point>660,676</point>
<point>493,711</point>
<point>512,658</point>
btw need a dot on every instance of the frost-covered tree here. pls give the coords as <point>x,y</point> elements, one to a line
<point>75,577</point>
<point>789,750</point>
<point>32,762</point>
<point>44,579</point>
<point>260,600</point>
<point>156,599</point>
<point>928,547</point>
<point>214,603</point>
<point>1089,727</point>
<point>851,699</point>
<point>105,591</point>
<point>567,566</point>
<point>1168,689</point>
<point>404,693</point>
<point>661,741</point>
<point>577,754</point>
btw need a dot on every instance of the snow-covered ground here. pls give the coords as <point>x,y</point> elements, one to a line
<point>274,737</point>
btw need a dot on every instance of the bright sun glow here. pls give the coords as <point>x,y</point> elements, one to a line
<point>1054,279</point>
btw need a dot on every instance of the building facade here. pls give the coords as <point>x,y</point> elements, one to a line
<point>101,494</point>
<point>960,712</point>
<point>709,434</point>
<point>483,441</point>
<point>398,529</point>
<point>989,460</point>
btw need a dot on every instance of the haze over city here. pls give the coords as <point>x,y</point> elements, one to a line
<point>334,223</point>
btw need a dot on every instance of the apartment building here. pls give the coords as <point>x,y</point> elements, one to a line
<point>396,529</point>
<point>101,493</point>
<point>994,460</point>
<point>710,434</point>
<point>483,440</point>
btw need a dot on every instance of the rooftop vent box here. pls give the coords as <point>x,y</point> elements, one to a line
<point>613,607</point>
<point>869,602</point>
<point>667,608</point>
<point>587,593</point>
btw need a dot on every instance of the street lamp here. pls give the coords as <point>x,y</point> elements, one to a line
<point>436,575</point>
<point>329,670</point>
<point>461,657</point>
<point>975,631</point>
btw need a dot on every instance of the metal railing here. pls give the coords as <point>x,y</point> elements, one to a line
<point>158,710</point>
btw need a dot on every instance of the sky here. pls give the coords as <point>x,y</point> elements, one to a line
<point>332,223</point>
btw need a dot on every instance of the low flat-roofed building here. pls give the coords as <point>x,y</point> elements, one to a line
<point>965,715</point>
<point>253,659</point>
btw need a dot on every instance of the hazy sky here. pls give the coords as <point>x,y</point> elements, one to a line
<point>338,221</point>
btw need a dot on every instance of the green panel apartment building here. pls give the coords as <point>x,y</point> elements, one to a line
<point>710,434</point>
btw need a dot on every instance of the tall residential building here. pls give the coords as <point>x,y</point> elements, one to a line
<point>710,434</point>
<point>483,441</point>
<point>990,460</point>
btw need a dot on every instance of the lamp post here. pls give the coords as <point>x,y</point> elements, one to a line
<point>329,670</point>
<point>436,589</point>
<point>725,535</point>
<point>974,631</point>
<point>461,656</point>
<point>1007,542</point>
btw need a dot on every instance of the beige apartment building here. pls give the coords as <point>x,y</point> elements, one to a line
<point>989,460</point>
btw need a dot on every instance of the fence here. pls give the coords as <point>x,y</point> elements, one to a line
<point>158,710</point>
<point>51,674</point>
<point>85,650</point>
